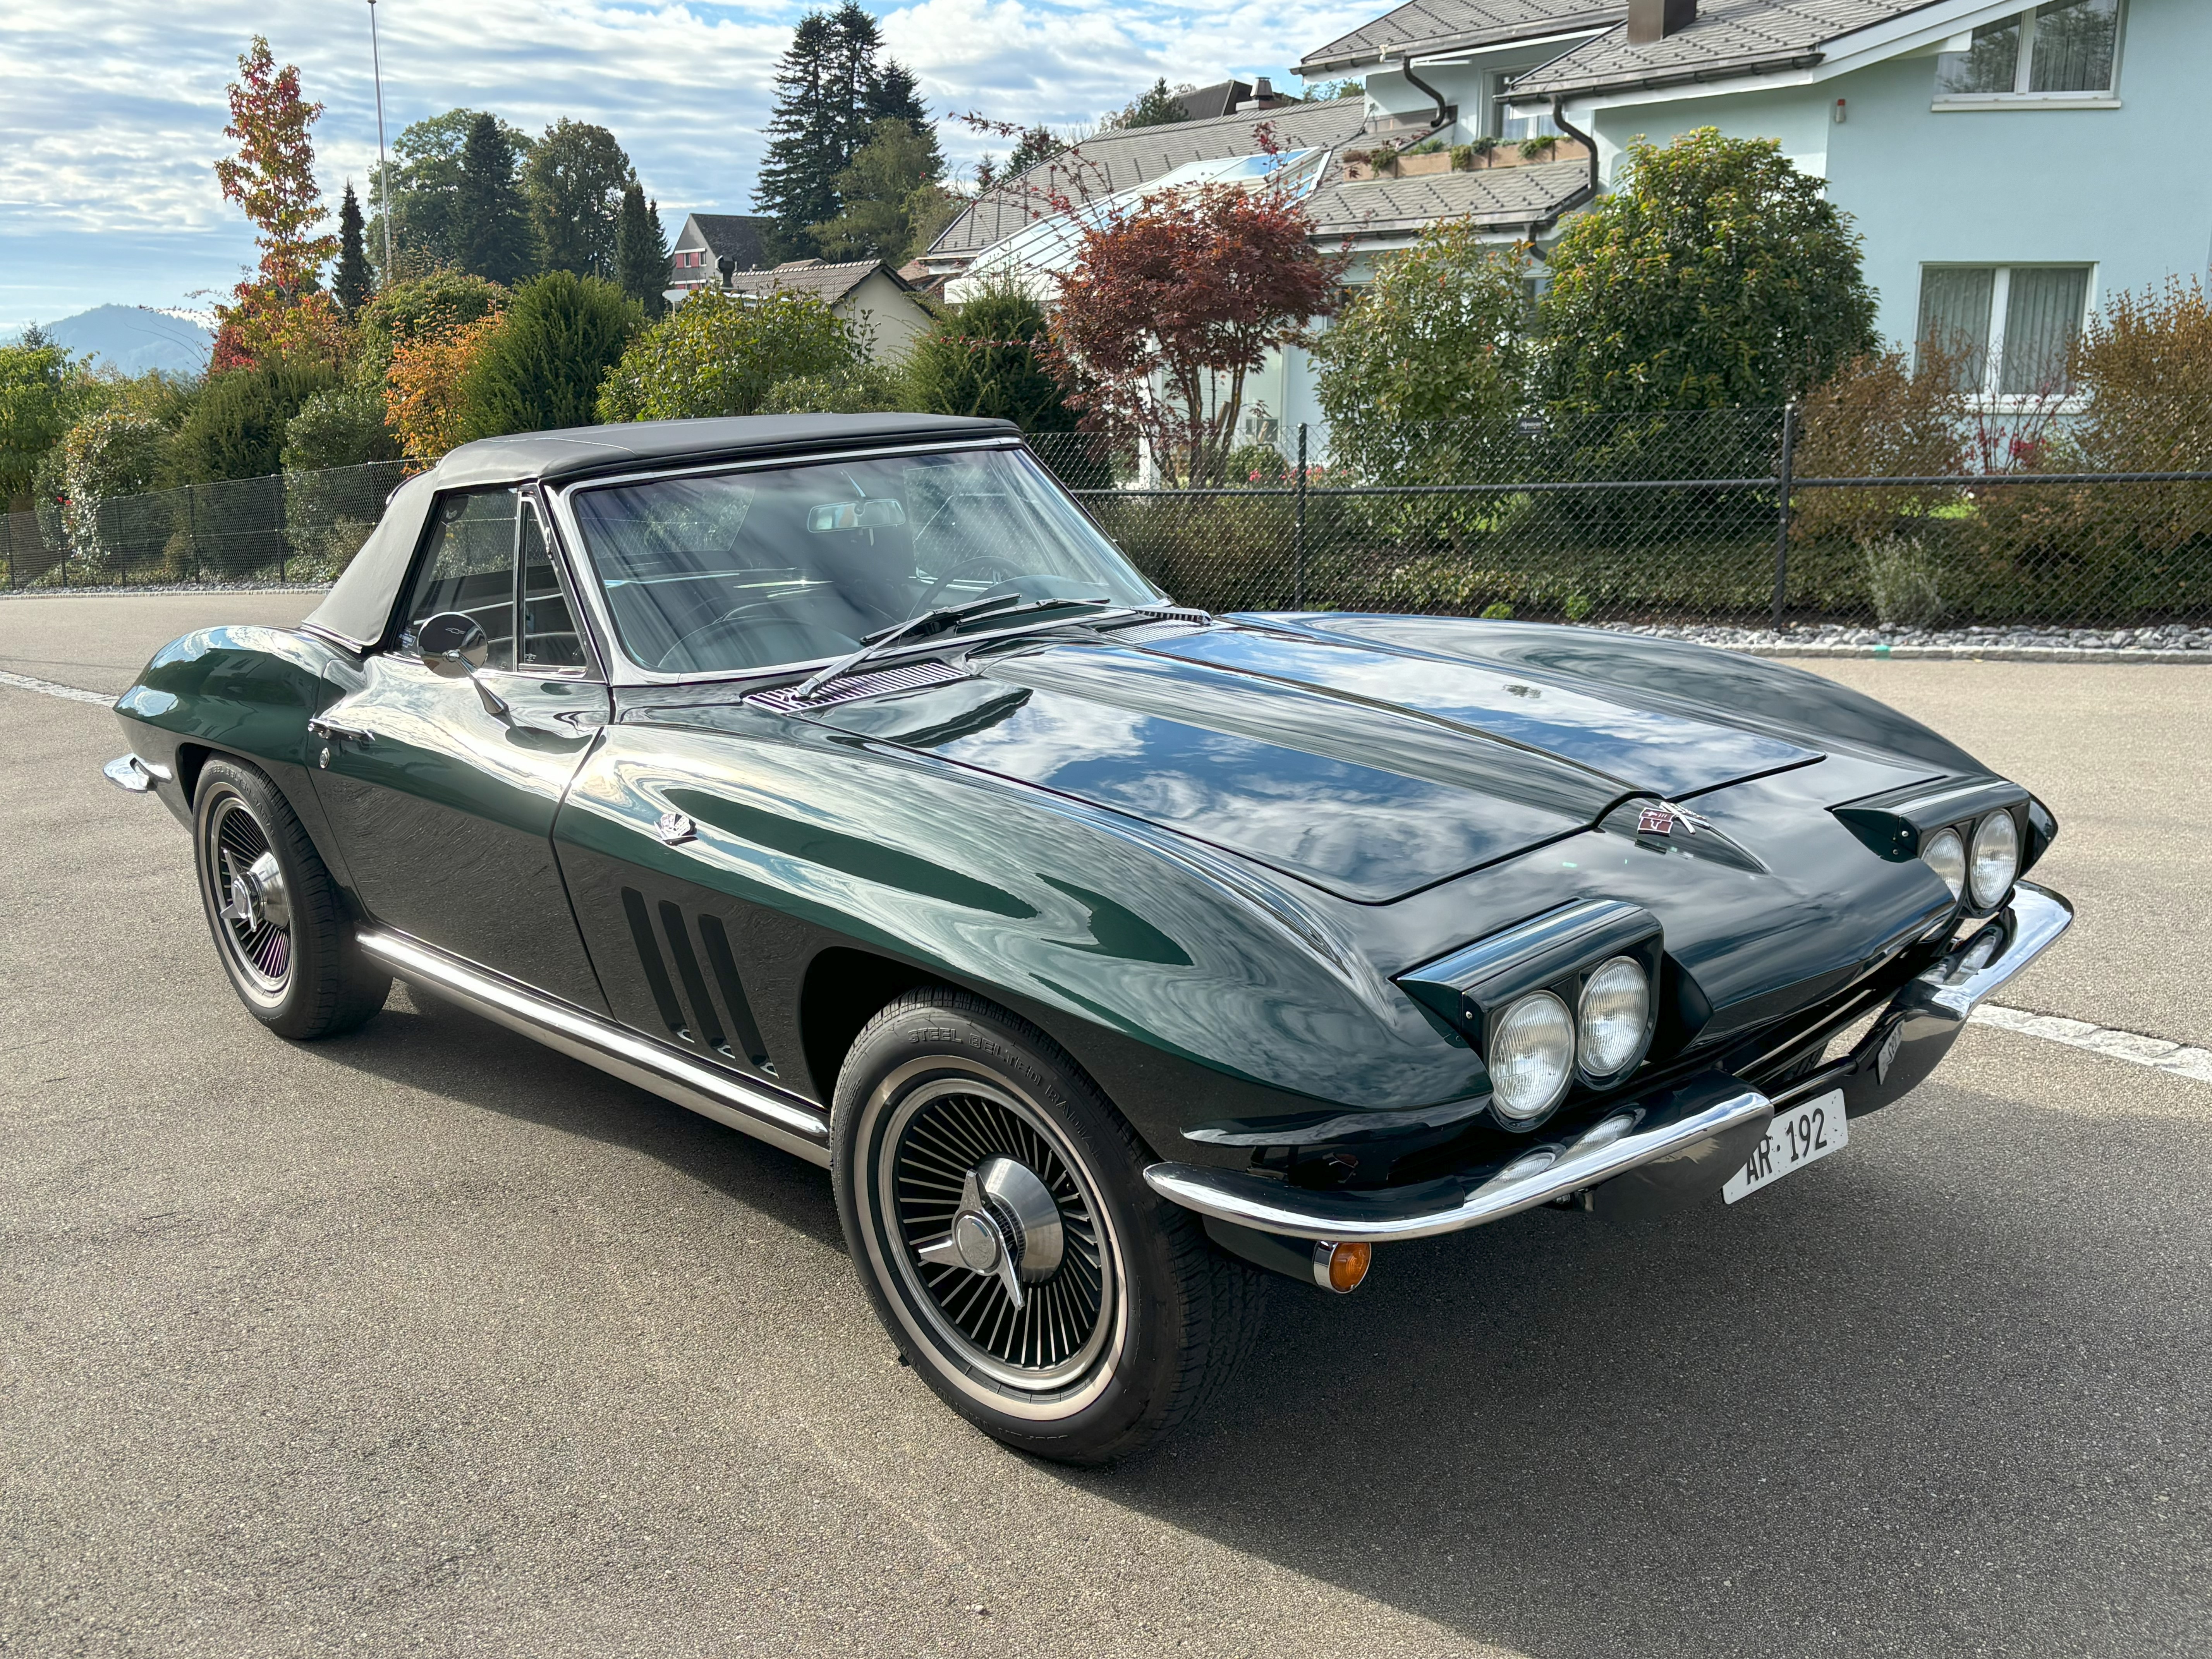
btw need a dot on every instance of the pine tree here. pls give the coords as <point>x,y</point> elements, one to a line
<point>493,228</point>
<point>831,88</point>
<point>1158,108</point>
<point>894,97</point>
<point>350,282</point>
<point>641,254</point>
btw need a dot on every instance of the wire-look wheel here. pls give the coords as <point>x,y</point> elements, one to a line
<point>256,911</point>
<point>1001,1230</point>
<point>997,1213</point>
<point>280,927</point>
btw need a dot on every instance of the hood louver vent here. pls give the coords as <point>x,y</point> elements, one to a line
<point>908,677</point>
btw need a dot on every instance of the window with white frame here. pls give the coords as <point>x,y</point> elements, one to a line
<point>2009,329</point>
<point>2063,50</point>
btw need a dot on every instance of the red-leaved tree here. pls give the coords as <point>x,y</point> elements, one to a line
<point>1173,303</point>
<point>280,310</point>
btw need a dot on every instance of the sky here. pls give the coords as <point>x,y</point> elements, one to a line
<point>113,110</point>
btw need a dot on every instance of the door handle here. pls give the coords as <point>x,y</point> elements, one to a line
<point>333,731</point>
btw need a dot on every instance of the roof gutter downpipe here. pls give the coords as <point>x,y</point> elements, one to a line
<point>1559,120</point>
<point>1406,68</point>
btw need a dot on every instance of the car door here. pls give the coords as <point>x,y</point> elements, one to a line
<point>442,787</point>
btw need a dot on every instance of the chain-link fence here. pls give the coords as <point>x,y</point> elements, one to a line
<point>293,527</point>
<point>1707,516</point>
<point>2030,516</point>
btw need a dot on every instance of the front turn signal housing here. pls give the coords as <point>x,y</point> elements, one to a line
<point>1341,1267</point>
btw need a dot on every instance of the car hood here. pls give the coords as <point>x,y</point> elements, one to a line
<point>1367,772</point>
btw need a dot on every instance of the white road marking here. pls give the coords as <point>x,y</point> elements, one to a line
<point>26,682</point>
<point>2133,1047</point>
<point>2136,1050</point>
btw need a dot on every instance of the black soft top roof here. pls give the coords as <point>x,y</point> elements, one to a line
<point>579,452</point>
<point>360,605</point>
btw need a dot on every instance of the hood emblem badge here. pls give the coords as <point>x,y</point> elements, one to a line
<point>1660,820</point>
<point>674,829</point>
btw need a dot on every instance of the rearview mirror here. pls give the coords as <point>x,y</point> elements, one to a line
<point>452,642</point>
<point>880,515</point>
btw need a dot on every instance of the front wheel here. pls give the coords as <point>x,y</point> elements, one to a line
<point>997,1214</point>
<point>280,926</point>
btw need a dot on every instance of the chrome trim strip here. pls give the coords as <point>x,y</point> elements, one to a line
<point>1955,985</point>
<point>131,775</point>
<point>1543,1173</point>
<point>780,1120</point>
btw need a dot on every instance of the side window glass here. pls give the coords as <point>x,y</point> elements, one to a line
<point>470,568</point>
<point>549,630</point>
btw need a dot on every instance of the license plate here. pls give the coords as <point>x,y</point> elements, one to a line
<point>1801,1135</point>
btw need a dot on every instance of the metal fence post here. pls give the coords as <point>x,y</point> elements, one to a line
<point>193,530</point>
<point>1298,526</point>
<point>1782,513</point>
<point>283,543</point>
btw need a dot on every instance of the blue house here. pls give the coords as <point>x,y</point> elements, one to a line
<point>2008,166</point>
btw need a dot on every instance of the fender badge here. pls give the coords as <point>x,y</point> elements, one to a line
<point>674,829</point>
<point>1661,820</point>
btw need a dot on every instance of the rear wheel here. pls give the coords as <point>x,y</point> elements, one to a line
<point>999,1219</point>
<point>280,927</point>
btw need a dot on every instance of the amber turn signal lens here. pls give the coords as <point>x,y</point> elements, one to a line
<point>1341,1266</point>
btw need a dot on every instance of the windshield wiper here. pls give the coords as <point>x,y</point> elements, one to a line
<point>934,621</point>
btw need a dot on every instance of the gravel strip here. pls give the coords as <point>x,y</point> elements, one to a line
<point>2174,642</point>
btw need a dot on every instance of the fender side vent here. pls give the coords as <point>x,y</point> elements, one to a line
<point>736,1037</point>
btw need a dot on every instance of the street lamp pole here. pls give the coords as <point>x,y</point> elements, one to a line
<point>383,170</point>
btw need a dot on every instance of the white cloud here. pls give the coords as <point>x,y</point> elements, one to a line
<point>115,108</point>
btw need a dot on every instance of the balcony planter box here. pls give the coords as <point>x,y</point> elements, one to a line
<point>1415,166</point>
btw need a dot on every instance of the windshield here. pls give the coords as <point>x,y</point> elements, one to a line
<point>730,572</point>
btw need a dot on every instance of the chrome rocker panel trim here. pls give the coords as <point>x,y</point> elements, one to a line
<point>768,1115</point>
<point>1688,1125</point>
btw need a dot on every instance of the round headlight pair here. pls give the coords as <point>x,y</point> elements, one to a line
<point>1536,1049</point>
<point>1995,858</point>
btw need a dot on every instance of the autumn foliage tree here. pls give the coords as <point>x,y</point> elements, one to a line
<point>1172,304</point>
<point>280,312</point>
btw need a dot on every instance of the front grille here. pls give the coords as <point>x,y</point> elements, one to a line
<point>850,688</point>
<point>702,1025</point>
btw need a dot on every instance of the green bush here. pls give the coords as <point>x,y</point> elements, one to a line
<point>421,308</point>
<point>861,388</point>
<point>983,359</point>
<point>339,426</point>
<point>106,461</point>
<point>238,426</point>
<point>1716,275</point>
<point>722,354</point>
<point>543,368</point>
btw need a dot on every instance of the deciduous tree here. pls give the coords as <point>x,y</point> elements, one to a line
<point>34,408</point>
<point>881,192</point>
<point>1716,275</point>
<point>1171,305</point>
<point>575,179</point>
<point>1439,336</point>
<point>1157,106</point>
<point>422,386</point>
<point>272,180</point>
<point>422,185</point>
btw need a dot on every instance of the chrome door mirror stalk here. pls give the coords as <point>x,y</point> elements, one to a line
<point>452,643</point>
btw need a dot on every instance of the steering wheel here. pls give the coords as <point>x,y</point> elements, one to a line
<point>984,564</point>
<point>735,626</point>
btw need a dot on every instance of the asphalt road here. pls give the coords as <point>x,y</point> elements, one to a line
<point>426,1341</point>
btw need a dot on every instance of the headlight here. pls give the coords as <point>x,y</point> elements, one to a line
<point>1996,857</point>
<point>1615,1009</point>
<point>1532,1056</point>
<point>1947,856</point>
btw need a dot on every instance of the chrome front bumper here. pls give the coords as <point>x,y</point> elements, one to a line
<point>1686,1140</point>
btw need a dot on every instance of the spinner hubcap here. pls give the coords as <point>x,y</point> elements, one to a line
<point>996,1227</point>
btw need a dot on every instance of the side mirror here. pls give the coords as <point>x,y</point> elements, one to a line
<point>452,643</point>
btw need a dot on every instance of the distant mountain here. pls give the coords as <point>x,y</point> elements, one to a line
<point>134,339</point>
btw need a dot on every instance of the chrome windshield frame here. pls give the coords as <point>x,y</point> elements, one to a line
<point>624,672</point>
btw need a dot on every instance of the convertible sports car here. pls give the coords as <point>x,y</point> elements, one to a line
<point>836,777</point>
